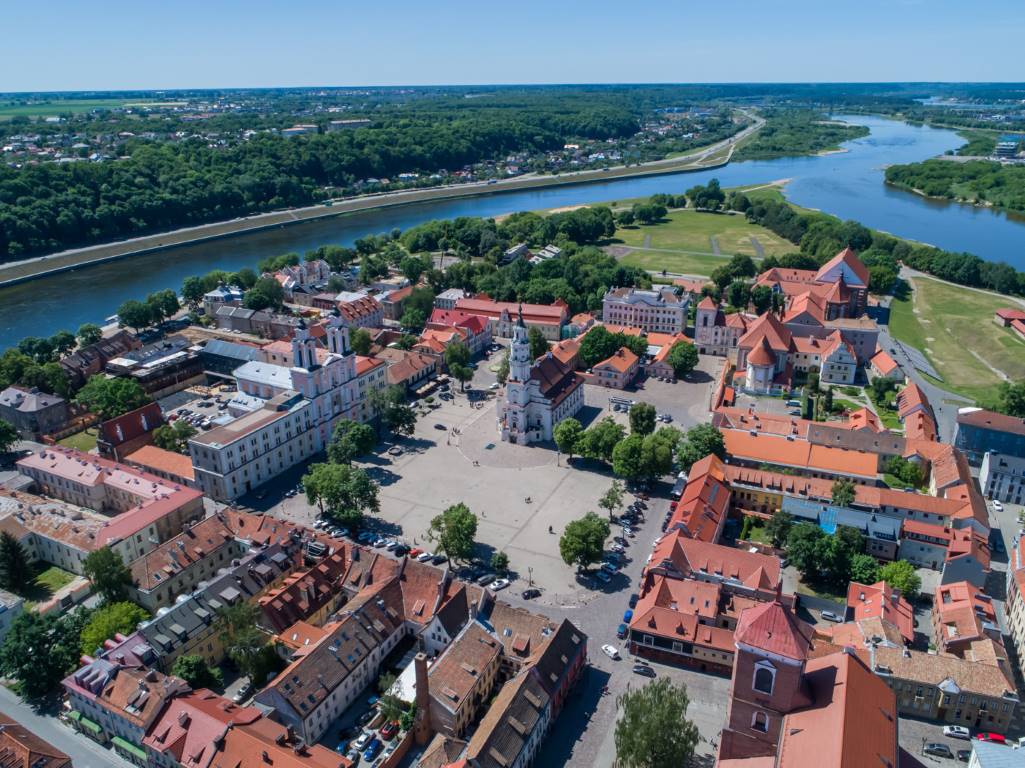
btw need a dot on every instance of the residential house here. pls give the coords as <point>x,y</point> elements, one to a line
<point>1014,601</point>
<point>1002,477</point>
<point>409,369</point>
<point>393,302</point>
<point>361,312</point>
<point>885,367</point>
<point>32,413</point>
<point>306,596</point>
<point>503,316</point>
<point>516,723</point>
<point>222,295</point>
<point>462,679</point>
<point>980,432</point>
<point>447,299</point>
<point>617,371</point>
<point>883,602</point>
<point>90,360</point>
<point>715,332</point>
<point>170,465</point>
<point>20,748</point>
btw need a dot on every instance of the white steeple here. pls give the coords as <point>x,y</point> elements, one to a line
<point>337,334</point>
<point>519,351</point>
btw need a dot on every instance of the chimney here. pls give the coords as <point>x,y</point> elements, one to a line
<point>422,724</point>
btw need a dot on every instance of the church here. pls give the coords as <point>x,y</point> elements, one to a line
<point>538,394</point>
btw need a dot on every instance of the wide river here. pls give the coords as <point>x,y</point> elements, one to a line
<point>847,184</point>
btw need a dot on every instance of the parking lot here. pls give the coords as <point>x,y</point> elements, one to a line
<point>198,406</point>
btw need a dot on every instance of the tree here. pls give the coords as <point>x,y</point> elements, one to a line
<point>462,374</point>
<point>454,530</point>
<point>500,562</point>
<point>193,290</point>
<point>243,641</point>
<point>267,293</point>
<point>413,268</point>
<point>413,318</point>
<point>162,305</point>
<point>628,458</point>
<point>341,492</point>
<point>778,527</point>
<point>701,441</point>
<point>843,492</point>
<point>600,441</point>
<point>538,342</point>
<point>457,353</point>
<point>194,670</point>
<point>88,333</point>
<point>642,418</point>
<point>361,341</point>
<point>906,471</point>
<point>761,298</point>
<point>583,541</point>
<point>806,548</point>
<point>174,437</point>
<point>567,435</point>
<point>901,575</point>
<point>390,405</point>
<point>625,218</point>
<point>108,573</point>
<point>349,440</point>
<point>503,369</point>
<point>111,619</point>
<point>14,564</point>
<point>612,499</point>
<point>864,569</point>
<point>683,357</point>
<point>135,314</point>
<point>653,730</point>
<point>8,436</point>
<point>39,651</point>
<point>738,294</point>
<point>111,397</point>
<point>1011,399</point>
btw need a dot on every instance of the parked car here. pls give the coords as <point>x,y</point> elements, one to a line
<point>353,756</point>
<point>415,552</point>
<point>998,506</point>
<point>423,557</point>
<point>531,593</point>
<point>439,558</point>
<point>644,669</point>
<point>938,750</point>
<point>621,631</point>
<point>365,718</point>
<point>392,544</point>
<point>388,752</point>
<point>830,616</point>
<point>633,600</point>
<point>602,576</point>
<point>362,740</point>
<point>372,749</point>
<point>609,568</point>
<point>956,732</point>
<point>243,693</point>
<point>964,755</point>
<point>617,548</point>
<point>401,550</point>
<point>486,579</point>
<point>996,738</point>
<point>380,541</point>
<point>388,730</point>
<point>610,650</point>
<point>498,585</point>
<point>440,426</point>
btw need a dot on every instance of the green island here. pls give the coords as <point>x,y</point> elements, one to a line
<point>787,133</point>
<point>979,182</point>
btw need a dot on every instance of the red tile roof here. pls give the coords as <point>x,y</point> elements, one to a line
<point>772,627</point>
<point>188,729</point>
<point>20,748</point>
<point>133,424</point>
<point>159,460</point>
<point>881,601</point>
<point>770,328</point>
<point>883,363</point>
<point>850,258</point>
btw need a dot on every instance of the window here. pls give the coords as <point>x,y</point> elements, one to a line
<point>765,677</point>
<point>760,722</point>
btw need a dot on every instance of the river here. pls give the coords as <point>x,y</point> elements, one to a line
<point>847,184</point>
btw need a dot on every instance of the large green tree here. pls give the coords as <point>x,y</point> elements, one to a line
<point>174,436</point>
<point>642,418</point>
<point>612,499</point>
<point>244,643</point>
<point>135,314</point>
<point>108,573</point>
<point>194,670</point>
<point>901,575</point>
<point>88,333</point>
<point>538,342</point>
<point>361,341</point>
<point>699,442</point>
<point>39,651</point>
<point>394,412</point>
<point>682,357</point>
<point>583,541</point>
<point>8,436</point>
<point>15,570</point>
<point>653,730</point>
<point>342,493</point>
<point>454,531</point>
<point>111,397</point>
<point>599,441</point>
<point>843,492</point>
<point>778,527</point>
<point>567,435</point>
<point>111,619</point>
<point>350,440</point>
<point>267,293</point>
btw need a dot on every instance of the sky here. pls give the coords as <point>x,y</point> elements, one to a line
<point>145,44</point>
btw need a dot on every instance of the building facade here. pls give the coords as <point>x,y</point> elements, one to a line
<point>660,310</point>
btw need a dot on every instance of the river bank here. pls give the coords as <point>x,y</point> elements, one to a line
<point>706,158</point>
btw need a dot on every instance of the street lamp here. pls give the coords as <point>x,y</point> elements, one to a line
<point>530,576</point>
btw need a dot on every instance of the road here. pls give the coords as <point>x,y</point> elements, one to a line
<point>27,269</point>
<point>84,753</point>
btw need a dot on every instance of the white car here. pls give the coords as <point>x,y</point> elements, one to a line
<point>423,557</point>
<point>830,616</point>
<point>494,385</point>
<point>498,584</point>
<point>998,506</point>
<point>611,651</point>
<point>956,732</point>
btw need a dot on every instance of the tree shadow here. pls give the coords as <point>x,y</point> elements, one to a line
<point>383,476</point>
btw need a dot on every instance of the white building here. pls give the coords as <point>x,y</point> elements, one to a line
<point>537,396</point>
<point>661,310</point>
<point>300,406</point>
<point>1002,477</point>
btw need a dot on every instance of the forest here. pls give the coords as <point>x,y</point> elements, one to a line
<point>979,181</point>
<point>797,132</point>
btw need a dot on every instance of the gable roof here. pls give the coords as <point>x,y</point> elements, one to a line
<point>770,328</point>
<point>849,259</point>
<point>882,601</point>
<point>773,627</point>
<point>20,748</point>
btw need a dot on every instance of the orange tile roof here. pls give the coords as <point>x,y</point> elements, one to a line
<point>623,361</point>
<point>20,748</point>
<point>774,628</point>
<point>455,674</point>
<point>151,457</point>
<point>863,418</point>
<point>879,600</point>
<point>770,449</point>
<point>770,328</point>
<point>883,363</point>
<point>194,544</point>
<point>244,746</point>
<point>850,258</point>
<point>189,728</point>
<point>540,313</point>
<point>691,556</point>
<point>747,419</point>
<point>851,724</point>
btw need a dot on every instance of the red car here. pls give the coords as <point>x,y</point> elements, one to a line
<point>388,730</point>
<point>415,551</point>
<point>996,738</point>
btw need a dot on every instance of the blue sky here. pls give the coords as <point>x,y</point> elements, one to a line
<point>115,44</point>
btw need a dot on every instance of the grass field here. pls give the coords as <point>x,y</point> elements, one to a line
<point>675,261</point>
<point>46,581</point>
<point>82,441</point>
<point>53,107</point>
<point>692,231</point>
<point>954,327</point>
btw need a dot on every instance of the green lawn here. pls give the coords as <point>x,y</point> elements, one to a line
<point>686,230</point>
<point>954,327</point>
<point>54,107</point>
<point>83,441</point>
<point>46,581</point>
<point>682,263</point>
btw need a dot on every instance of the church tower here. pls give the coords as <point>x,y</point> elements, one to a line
<point>513,410</point>
<point>519,351</point>
<point>772,647</point>
<point>304,348</point>
<point>337,335</point>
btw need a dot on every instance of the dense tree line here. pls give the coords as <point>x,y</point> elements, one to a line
<point>796,132</point>
<point>977,181</point>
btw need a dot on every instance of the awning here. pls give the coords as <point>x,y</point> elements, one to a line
<point>89,725</point>
<point>128,747</point>
<point>74,715</point>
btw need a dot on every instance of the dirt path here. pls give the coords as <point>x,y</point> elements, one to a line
<point>715,245</point>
